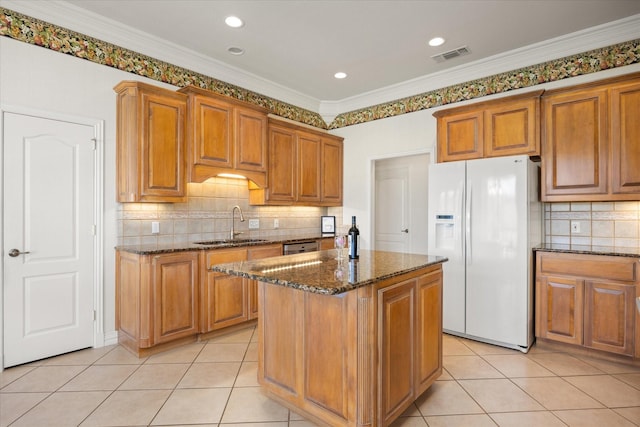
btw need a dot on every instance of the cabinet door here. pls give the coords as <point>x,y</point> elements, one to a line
<point>460,136</point>
<point>251,140</point>
<point>396,309</point>
<point>331,172</point>
<point>212,143</point>
<point>175,296</point>
<point>576,145</point>
<point>282,165</point>
<point>309,152</point>
<point>625,138</point>
<point>512,128</point>
<point>428,330</point>
<point>259,253</point>
<point>561,309</point>
<point>151,144</point>
<point>609,317</point>
<point>224,296</point>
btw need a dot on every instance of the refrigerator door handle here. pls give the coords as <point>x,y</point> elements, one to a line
<point>468,223</point>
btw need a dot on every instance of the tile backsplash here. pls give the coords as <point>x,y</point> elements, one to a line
<point>207,216</point>
<point>594,223</point>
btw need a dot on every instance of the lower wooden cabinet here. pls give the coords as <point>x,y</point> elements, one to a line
<point>230,300</point>
<point>163,300</point>
<point>156,298</point>
<point>359,358</point>
<point>224,297</point>
<point>588,300</point>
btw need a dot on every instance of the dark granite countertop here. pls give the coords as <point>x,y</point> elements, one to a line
<point>321,272</point>
<point>589,250</point>
<point>216,244</point>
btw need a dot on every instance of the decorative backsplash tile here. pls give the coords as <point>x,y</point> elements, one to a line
<point>207,216</point>
<point>40,33</point>
<point>601,223</point>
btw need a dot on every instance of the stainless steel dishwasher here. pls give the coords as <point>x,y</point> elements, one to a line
<point>300,247</point>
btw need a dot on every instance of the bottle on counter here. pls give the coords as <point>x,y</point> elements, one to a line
<point>353,271</point>
<point>354,240</point>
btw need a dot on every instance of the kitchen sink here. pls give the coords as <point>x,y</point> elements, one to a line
<point>228,241</point>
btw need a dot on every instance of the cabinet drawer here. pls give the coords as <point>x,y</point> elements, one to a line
<point>592,266</point>
<point>223,256</point>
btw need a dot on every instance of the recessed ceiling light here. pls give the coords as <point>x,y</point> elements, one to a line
<point>436,41</point>
<point>340,75</point>
<point>235,50</point>
<point>233,21</point>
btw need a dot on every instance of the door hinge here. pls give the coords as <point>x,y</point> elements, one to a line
<point>94,142</point>
<point>94,229</point>
<point>95,315</point>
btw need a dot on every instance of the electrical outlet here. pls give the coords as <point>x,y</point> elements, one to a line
<point>276,223</point>
<point>575,227</point>
<point>155,227</point>
<point>254,224</point>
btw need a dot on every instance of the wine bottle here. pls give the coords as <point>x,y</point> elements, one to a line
<point>354,239</point>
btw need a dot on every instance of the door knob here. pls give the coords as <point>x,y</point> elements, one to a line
<point>405,230</point>
<point>14,253</point>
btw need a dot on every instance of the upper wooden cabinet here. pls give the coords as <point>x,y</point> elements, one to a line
<point>591,141</point>
<point>305,168</point>
<point>225,136</point>
<point>504,127</point>
<point>151,146</point>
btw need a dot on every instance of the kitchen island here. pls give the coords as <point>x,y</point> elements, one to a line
<point>347,342</point>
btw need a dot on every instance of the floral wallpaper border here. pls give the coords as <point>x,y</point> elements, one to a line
<point>40,33</point>
<point>619,55</point>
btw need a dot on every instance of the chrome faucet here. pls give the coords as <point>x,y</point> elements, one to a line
<point>233,218</point>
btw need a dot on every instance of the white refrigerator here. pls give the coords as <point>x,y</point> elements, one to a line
<point>485,216</point>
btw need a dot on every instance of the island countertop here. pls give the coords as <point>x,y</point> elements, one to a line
<point>324,273</point>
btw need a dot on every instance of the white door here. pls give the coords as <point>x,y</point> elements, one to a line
<point>48,237</point>
<point>401,204</point>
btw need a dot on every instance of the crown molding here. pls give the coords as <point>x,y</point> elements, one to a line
<point>64,14</point>
<point>570,44</point>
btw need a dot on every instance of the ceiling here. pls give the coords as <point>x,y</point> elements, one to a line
<point>300,44</point>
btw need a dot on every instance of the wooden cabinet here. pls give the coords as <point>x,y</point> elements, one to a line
<point>357,358</point>
<point>609,316</point>
<point>326,243</point>
<point>625,138</point>
<point>309,151</point>
<point>410,353</point>
<point>588,300</point>
<point>224,297</point>
<point>259,252</point>
<point>331,164</point>
<point>305,168</point>
<point>230,300</point>
<point>591,138</point>
<point>225,136</point>
<point>504,127</point>
<point>156,299</point>
<point>151,150</point>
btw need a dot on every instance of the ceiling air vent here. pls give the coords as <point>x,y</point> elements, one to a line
<point>441,57</point>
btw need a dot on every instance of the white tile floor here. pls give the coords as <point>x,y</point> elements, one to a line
<point>214,384</point>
